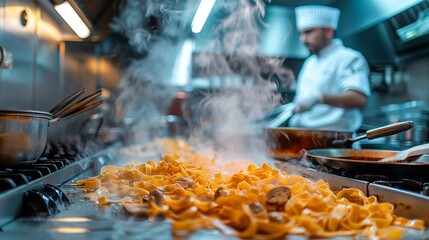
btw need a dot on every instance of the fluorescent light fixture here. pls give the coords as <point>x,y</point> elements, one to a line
<point>68,13</point>
<point>201,15</point>
<point>183,63</point>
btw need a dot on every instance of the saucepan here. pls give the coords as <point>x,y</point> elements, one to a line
<point>367,161</point>
<point>23,133</point>
<point>286,142</point>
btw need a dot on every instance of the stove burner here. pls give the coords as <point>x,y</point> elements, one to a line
<point>56,156</point>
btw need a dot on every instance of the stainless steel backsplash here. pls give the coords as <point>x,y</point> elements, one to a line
<point>46,68</point>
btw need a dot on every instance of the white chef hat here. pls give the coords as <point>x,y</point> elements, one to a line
<point>312,16</point>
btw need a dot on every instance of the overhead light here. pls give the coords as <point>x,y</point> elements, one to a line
<point>201,15</point>
<point>72,18</point>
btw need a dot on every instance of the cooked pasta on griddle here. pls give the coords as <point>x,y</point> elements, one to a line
<point>255,202</point>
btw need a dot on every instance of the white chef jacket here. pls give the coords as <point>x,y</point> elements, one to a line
<point>334,70</point>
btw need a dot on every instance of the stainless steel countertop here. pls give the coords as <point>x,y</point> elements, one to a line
<point>85,220</point>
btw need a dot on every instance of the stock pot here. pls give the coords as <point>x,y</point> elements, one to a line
<point>23,135</point>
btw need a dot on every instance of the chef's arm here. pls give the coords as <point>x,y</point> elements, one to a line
<point>348,99</point>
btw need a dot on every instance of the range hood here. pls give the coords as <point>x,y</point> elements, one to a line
<point>410,31</point>
<point>399,38</point>
<point>369,26</point>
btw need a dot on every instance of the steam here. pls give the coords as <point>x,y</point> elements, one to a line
<point>226,117</point>
<point>232,55</point>
<point>154,29</point>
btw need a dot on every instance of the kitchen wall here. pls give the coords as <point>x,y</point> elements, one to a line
<point>47,66</point>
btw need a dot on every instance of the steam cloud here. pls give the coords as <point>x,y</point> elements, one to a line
<point>226,116</point>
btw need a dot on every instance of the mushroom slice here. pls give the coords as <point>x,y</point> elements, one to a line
<point>219,193</point>
<point>137,210</point>
<point>156,197</point>
<point>256,208</point>
<point>185,182</point>
<point>277,198</point>
<point>276,217</point>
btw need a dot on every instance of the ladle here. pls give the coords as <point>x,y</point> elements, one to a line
<point>377,133</point>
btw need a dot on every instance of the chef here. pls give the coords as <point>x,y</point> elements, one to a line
<point>333,83</point>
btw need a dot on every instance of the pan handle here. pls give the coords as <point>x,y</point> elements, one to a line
<point>389,130</point>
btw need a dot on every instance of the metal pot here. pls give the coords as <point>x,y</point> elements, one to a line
<point>285,142</point>
<point>22,135</point>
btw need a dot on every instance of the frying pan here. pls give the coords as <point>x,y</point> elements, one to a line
<point>366,161</point>
<point>285,142</point>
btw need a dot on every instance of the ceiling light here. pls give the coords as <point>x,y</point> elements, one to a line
<point>69,14</point>
<point>201,15</point>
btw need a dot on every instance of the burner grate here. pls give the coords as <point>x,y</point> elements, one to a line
<point>56,156</point>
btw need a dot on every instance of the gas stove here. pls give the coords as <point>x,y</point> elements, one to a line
<point>32,189</point>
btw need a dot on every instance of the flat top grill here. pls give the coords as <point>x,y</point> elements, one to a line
<point>69,216</point>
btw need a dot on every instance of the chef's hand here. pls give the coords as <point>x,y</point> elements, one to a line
<point>306,104</point>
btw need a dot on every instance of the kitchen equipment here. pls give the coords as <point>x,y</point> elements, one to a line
<point>23,133</point>
<point>286,142</point>
<point>404,155</point>
<point>367,161</point>
<point>64,103</point>
<point>377,133</point>
<point>408,111</point>
<point>283,113</point>
<point>79,106</point>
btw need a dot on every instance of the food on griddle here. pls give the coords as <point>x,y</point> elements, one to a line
<point>255,202</point>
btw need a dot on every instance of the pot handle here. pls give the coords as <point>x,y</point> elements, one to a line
<point>389,130</point>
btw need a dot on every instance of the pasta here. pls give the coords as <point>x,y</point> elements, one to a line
<point>255,202</point>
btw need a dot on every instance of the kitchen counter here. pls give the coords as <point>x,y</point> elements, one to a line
<point>86,220</point>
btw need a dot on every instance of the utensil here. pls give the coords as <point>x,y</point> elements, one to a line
<point>76,106</point>
<point>404,155</point>
<point>60,106</point>
<point>23,133</point>
<point>384,131</point>
<point>284,113</point>
<point>366,161</point>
